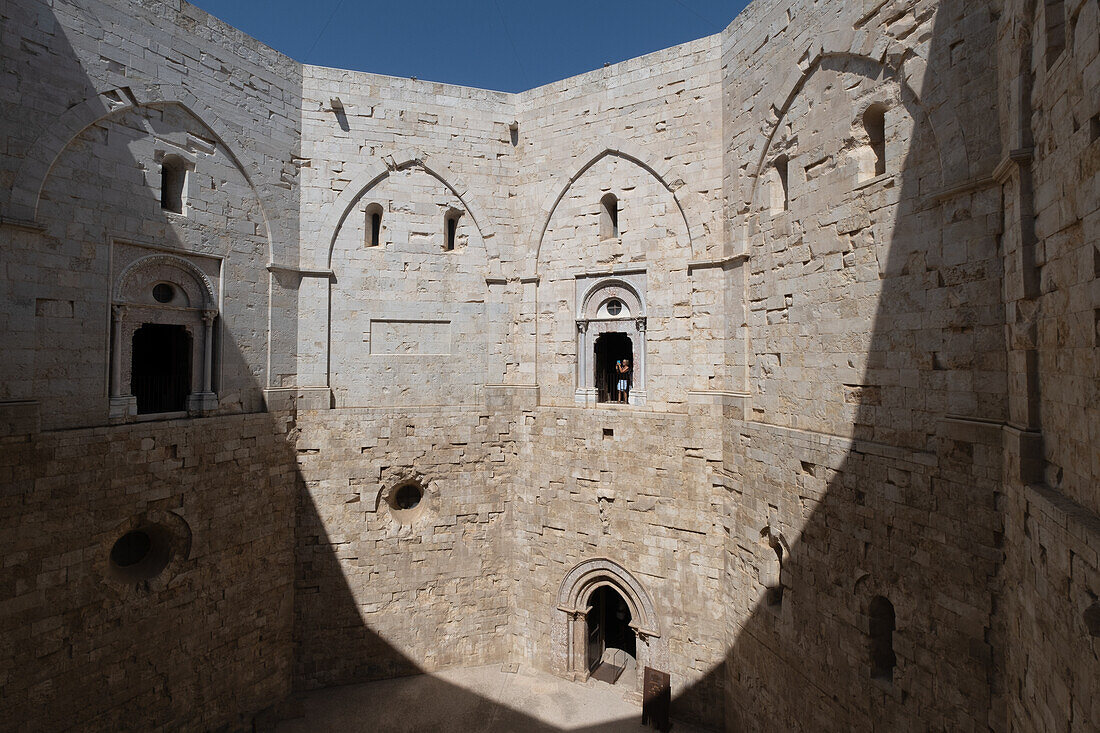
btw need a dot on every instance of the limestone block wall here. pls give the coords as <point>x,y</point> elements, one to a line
<point>646,130</point>
<point>380,595</point>
<point>873,312</point>
<point>636,488</point>
<point>420,152</point>
<point>83,153</point>
<point>205,644</point>
<point>1051,140</point>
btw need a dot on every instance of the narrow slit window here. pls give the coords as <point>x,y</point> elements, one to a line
<point>1054,12</point>
<point>609,217</point>
<point>173,183</point>
<point>882,624</point>
<point>450,230</point>
<point>781,195</point>
<point>374,225</point>
<point>874,122</point>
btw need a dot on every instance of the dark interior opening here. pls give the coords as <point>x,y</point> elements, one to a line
<point>610,349</point>
<point>883,659</point>
<point>131,548</point>
<point>407,497</point>
<point>375,229</point>
<point>160,376</point>
<point>608,620</point>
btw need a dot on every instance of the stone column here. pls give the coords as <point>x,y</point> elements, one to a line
<point>121,406</point>
<point>579,643</point>
<point>582,360</point>
<point>208,349</point>
<point>639,371</point>
<point>118,312</point>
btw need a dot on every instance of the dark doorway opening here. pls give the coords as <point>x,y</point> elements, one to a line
<point>160,372</point>
<point>611,348</point>
<point>612,644</point>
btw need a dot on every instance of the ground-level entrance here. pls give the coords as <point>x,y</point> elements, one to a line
<point>606,623</point>
<point>612,644</point>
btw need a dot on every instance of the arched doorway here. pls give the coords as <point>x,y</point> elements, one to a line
<point>601,606</point>
<point>612,644</point>
<point>611,349</point>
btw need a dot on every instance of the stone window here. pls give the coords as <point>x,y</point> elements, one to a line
<point>160,375</point>
<point>780,190</point>
<point>163,338</point>
<point>611,339</point>
<point>881,627</point>
<point>173,183</point>
<point>374,225</point>
<point>874,124</point>
<point>450,229</point>
<point>609,217</point>
<point>1054,14</point>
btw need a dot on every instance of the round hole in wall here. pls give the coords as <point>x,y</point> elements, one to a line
<point>614,308</point>
<point>406,502</point>
<point>407,497</point>
<point>130,549</point>
<point>140,554</point>
<point>163,293</point>
<point>1092,619</point>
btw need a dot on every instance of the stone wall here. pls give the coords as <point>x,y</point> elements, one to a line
<point>870,366</point>
<point>1050,56</point>
<point>206,643</point>
<point>378,594</point>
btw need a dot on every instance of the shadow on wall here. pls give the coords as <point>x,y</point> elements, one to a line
<point>883,614</point>
<point>216,642</point>
<point>148,573</point>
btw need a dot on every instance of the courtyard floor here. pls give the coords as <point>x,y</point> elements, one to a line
<point>475,699</point>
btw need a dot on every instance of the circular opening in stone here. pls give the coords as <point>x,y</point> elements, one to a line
<point>407,497</point>
<point>140,554</point>
<point>163,293</point>
<point>1092,619</point>
<point>614,308</point>
<point>130,549</point>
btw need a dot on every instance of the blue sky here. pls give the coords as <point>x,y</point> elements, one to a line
<point>508,45</point>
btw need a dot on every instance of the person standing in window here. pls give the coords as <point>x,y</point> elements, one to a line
<point>622,368</point>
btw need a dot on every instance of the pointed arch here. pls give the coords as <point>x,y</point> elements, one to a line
<point>44,153</point>
<point>374,171</point>
<point>580,582</point>
<point>589,158</point>
<point>912,76</point>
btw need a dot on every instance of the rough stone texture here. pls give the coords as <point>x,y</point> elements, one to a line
<point>205,644</point>
<point>858,384</point>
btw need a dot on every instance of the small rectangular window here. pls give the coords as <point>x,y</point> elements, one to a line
<point>450,230</point>
<point>173,182</point>
<point>1054,12</point>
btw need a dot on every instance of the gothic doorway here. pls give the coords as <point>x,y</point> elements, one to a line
<point>612,644</point>
<point>606,615</point>
<point>611,348</point>
<point>160,376</point>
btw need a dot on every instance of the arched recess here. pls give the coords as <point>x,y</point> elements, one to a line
<point>124,285</point>
<point>373,172</point>
<point>48,147</point>
<point>590,157</point>
<point>914,75</point>
<point>569,628</point>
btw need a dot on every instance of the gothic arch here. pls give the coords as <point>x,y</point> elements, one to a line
<point>569,630</point>
<point>912,75</point>
<point>591,156</point>
<point>374,172</point>
<point>580,582</point>
<point>48,147</point>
